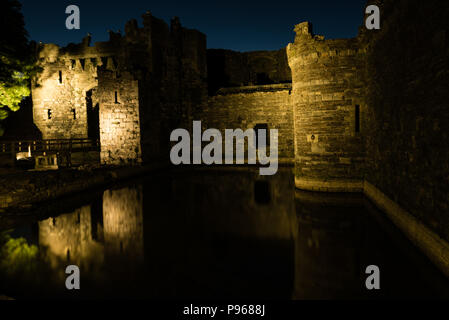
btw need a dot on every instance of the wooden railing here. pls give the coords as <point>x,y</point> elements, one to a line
<point>48,146</point>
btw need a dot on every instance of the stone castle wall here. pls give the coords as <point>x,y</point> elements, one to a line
<point>246,107</point>
<point>138,86</point>
<point>340,123</point>
<point>354,114</point>
<point>119,118</point>
<point>229,68</point>
<point>59,91</point>
<point>169,63</point>
<point>408,119</point>
<point>328,83</point>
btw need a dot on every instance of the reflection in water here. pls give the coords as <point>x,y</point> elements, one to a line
<point>67,239</point>
<point>327,256</point>
<point>106,232</point>
<point>123,223</point>
<point>220,233</point>
<point>339,235</point>
<point>212,237</point>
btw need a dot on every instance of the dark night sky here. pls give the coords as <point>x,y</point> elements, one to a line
<point>238,25</point>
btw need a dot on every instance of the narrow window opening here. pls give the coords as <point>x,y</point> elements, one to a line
<point>74,114</point>
<point>357,118</point>
<point>49,113</point>
<point>262,193</point>
<point>68,255</point>
<point>83,63</point>
<point>73,63</point>
<point>116,97</point>
<point>261,126</point>
<point>60,77</point>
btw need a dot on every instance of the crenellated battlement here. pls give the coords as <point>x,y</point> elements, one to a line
<point>308,47</point>
<point>107,90</point>
<point>328,103</point>
<point>367,113</point>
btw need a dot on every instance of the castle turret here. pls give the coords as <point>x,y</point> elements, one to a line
<point>327,101</point>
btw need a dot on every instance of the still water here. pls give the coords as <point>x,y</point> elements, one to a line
<point>210,233</point>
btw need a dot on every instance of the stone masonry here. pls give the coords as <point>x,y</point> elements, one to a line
<point>327,94</point>
<point>371,109</point>
<point>128,92</point>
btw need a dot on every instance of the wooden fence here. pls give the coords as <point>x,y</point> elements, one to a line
<point>48,146</point>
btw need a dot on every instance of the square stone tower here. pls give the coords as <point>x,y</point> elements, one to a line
<point>128,92</point>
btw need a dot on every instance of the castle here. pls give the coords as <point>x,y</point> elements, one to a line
<point>126,92</point>
<point>133,90</point>
<point>367,114</point>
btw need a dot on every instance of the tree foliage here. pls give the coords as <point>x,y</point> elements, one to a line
<point>16,58</point>
<point>17,256</point>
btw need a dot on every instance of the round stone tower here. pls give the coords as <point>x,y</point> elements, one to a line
<point>328,110</point>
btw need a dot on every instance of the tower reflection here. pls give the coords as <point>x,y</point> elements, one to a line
<point>199,234</point>
<point>102,238</point>
<point>327,246</point>
<point>221,233</point>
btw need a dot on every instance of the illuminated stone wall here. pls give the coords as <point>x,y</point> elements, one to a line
<point>328,81</point>
<point>59,91</point>
<point>144,83</point>
<point>245,107</point>
<point>408,121</point>
<point>119,118</point>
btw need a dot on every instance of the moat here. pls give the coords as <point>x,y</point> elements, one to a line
<point>211,233</point>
